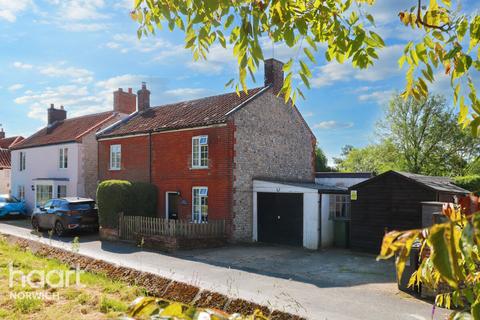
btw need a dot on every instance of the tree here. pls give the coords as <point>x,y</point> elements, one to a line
<point>321,161</point>
<point>426,136</point>
<point>450,42</point>
<point>375,158</point>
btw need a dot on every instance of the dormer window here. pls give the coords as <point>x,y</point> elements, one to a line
<point>200,152</point>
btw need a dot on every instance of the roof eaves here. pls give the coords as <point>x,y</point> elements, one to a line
<point>43,144</point>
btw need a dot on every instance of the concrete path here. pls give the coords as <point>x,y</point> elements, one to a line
<point>318,285</point>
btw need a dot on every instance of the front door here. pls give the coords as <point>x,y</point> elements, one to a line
<point>172,205</point>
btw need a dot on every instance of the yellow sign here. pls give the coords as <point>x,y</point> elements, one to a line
<point>353,194</point>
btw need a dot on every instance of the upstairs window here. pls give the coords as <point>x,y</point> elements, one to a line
<point>115,157</point>
<point>63,158</point>
<point>339,206</point>
<point>200,204</point>
<point>200,152</point>
<point>23,160</point>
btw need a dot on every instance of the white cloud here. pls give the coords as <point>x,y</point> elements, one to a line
<point>9,9</point>
<point>332,124</point>
<point>80,15</point>
<point>308,114</point>
<point>15,87</point>
<point>61,70</point>
<point>187,93</point>
<point>381,97</point>
<point>21,65</point>
<point>160,47</point>
<point>385,67</point>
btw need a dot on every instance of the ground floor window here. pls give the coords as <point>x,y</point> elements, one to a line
<point>21,192</point>
<point>61,191</point>
<point>339,206</point>
<point>200,204</point>
<point>43,194</point>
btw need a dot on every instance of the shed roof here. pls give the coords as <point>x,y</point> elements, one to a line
<point>322,188</point>
<point>440,184</point>
<point>344,174</point>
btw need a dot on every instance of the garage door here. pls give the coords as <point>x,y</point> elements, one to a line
<point>280,218</point>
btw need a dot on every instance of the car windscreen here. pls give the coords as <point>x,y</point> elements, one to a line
<point>8,200</point>
<point>81,205</point>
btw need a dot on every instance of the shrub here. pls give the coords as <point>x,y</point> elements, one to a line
<point>113,197</point>
<point>144,199</point>
<point>471,183</point>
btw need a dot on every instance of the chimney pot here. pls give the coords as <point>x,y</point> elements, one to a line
<point>129,90</point>
<point>2,133</point>
<point>52,106</point>
<point>143,98</point>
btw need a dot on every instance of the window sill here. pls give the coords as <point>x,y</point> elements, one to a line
<point>114,169</point>
<point>198,168</point>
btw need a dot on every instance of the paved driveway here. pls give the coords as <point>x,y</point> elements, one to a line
<point>333,284</point>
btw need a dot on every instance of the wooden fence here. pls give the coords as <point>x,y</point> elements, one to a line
<point>130,227</point>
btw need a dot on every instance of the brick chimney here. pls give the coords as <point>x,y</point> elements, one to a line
<point>124,102</point>
<point>274,74</point>
<point>143,98</point>
<point>2,133</point>
<point>55,115</point>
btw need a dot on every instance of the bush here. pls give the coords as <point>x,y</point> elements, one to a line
<point>471,183</point>
<point>113,197</point>
<point>144,199</point>
<point>131,198</point>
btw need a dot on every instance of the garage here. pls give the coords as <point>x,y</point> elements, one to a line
<point>280,218</point>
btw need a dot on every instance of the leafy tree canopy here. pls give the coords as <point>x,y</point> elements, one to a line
<point>419,137</point>
<point>340,28</point>
<point>321,161</point>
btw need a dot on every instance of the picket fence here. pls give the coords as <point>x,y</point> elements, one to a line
<point>130,227</point>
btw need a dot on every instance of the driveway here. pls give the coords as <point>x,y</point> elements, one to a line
<point>333,284</point>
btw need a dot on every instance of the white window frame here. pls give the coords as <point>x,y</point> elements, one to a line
<point>63,158</point>
<point>48,192</point>
<point>115,157</point>
<point>23,161</point>
<point>200,152</point>
<point>339,203</point>
<point>197,210</point>
<point>21,192</point>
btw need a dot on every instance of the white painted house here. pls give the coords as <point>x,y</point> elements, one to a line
<point>61,159</point>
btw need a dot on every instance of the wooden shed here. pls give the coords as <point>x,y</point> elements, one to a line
<point>392,201</point>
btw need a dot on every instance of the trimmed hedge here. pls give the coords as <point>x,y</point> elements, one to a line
<point>471,183</point>
<point>115,196</point>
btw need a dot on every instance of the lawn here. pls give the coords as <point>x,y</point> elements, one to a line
<point>98,298</point>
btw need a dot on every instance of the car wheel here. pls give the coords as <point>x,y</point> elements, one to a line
<point>36,225</point>
<point>59,229</point>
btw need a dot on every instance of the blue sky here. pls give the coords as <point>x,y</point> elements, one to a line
<point>77,52</point>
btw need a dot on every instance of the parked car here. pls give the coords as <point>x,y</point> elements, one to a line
<point>66,214</point>
<point>11,206</point>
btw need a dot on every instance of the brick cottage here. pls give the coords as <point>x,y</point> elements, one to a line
<point>204,154</point>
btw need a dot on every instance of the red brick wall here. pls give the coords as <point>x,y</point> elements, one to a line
<point>171,167</point>
<point>135,159</point>
<point>172,157</point>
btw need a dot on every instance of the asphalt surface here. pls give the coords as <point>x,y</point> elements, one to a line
<point>333,284</point>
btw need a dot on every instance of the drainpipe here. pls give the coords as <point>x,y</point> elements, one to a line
<point>150,157</point>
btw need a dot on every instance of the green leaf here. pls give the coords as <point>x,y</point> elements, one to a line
<point>309,54</point>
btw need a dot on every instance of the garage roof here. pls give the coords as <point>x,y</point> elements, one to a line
<point>322,188</point>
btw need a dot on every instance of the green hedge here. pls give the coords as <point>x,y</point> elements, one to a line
<point>115,196</point>
<point>471,183</point>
